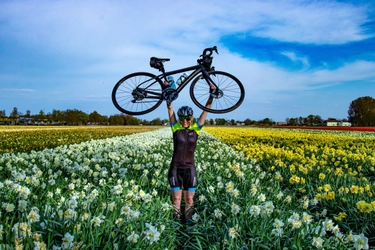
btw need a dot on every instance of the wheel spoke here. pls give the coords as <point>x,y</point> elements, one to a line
<point>137,94</point>
<point>228,98</point>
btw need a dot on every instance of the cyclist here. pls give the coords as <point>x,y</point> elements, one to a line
<point>182,173</point>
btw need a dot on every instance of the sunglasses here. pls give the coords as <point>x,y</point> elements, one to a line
<point>187,118</point>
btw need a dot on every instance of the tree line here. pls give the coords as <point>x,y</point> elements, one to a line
<point>361,112</point>
<point>69,117</point>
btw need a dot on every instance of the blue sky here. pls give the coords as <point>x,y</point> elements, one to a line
<point>295,58</point>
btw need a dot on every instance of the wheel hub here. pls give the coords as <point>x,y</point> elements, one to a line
<point>217,93</point>
<point>138,95</point>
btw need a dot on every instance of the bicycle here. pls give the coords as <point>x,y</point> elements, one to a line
<point>142,92</point>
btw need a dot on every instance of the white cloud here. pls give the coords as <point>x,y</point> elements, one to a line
<point>320,22</point>
<point>98,42</point>
<point>265,77</point>
<point>102,27</point>
<point>297,59</point>
<point>18,90</point>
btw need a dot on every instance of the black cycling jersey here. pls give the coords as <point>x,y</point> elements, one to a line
<point>182,172</point>
<point>185,142</point>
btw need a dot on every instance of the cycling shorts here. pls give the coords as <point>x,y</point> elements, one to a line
<point>183,178</point>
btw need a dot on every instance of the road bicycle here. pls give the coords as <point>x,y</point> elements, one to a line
<point>142,92</point>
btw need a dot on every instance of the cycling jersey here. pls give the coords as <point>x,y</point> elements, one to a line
<point>185,142</point>
<point>182,172</point>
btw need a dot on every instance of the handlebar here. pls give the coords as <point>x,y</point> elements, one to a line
<point>208,51</point>
<point>206,57</point>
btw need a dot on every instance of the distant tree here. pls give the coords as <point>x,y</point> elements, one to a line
<point>41,115</point>
<point>57,116</point>
<point>362,111</point>
<point>164,121</point>
<point>14,115</point>
<point>76,117</point>
<point>83,118</point>
<point>232,122</point>
<point>331,119</point>
<point>156,121</point>
<point>220,121</point>
<point>49,117</point>
<point>104,119</point>
<point>211,121</point>
<point>28,113</point>
<point>95,117</point>
<point>130,120</point>
<point>292,121</point>
<point>3,113</point>
<point>310,120</point>
<point>145,122</point>
<point>318,119</point>
<point>247,122</point>
<point>14,112</point>
<point>300,120</point>
<point>266,121</point>
<point>116,120</point>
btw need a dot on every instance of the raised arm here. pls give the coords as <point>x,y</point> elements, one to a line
<point>171,114</point>
<point>202,118</point>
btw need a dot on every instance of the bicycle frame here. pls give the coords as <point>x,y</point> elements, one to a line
<point>196,71</point>
<point>142,92</point>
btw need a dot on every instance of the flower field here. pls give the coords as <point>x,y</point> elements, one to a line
<point>28,138</point>
<point>330,173</point>
<point>257,189</point>
<point>363,129</point>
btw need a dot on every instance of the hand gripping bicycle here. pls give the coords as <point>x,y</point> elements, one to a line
<point>142,92</point>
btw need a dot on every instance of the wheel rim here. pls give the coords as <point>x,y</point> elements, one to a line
<point>132,97</point>
<point>229,96</point>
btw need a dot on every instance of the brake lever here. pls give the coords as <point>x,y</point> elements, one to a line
<point>215,49</point>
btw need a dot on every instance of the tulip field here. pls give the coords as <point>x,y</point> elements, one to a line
<point>28,138</point>
<point>107,188</point>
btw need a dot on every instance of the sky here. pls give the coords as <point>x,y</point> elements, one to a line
<point>294,58</point>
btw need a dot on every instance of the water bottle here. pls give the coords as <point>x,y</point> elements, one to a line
<point>171,82</point>
<point>182,78</point>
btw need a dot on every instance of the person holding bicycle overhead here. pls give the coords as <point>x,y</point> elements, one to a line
<point>182,174</point>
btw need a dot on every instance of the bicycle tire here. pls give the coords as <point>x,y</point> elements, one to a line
<point>232,90</point>
<point>138,93</point>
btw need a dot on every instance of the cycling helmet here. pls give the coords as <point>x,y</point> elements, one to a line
<point>185,111</point>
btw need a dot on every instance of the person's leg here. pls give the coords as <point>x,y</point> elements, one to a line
<point>190,192</point>
<point>176,192</point>
<point>176,201</point>
<point>189,201</point>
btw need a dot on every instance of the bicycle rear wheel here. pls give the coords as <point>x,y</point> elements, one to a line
<point>137,94</point>
<point>229,96</point>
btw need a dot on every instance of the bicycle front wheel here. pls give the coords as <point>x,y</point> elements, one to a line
<point>137,94</point>
<point>229,95</point>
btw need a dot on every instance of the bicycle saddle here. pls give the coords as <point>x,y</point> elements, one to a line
<point>160,59</point>
<point>157,63</point>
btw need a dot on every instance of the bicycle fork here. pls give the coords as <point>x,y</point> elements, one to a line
<point>216,92</point>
